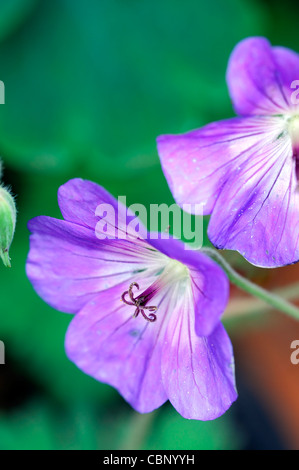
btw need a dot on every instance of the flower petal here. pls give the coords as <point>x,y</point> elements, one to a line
<point>197,372</point>
<point>257,211</point>
<point>259,77</point>
<point>68,265</point>
<point>288,64</point>
<point>208,284</point>
<point>106,342</point>
<point>198,164</point>
<point>79,201</point>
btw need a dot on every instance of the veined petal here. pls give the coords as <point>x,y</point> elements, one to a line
<point>288,64</point>
<point>197,372</point>
<point>259,77</point>
<point>106,342</point>
<point>79,201</point>
<point>198,164</point>
<point>261,202</point>
<point>118,335</point>
<point>68,265</point>
<point>207,285</point>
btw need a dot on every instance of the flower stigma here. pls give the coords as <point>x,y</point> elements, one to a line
<point>172,272</point>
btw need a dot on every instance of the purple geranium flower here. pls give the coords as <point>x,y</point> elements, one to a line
<point>245,170</point>
<point>147,311</point>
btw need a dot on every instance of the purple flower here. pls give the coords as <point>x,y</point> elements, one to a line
<point>147,312</point>
<point>245,170</point>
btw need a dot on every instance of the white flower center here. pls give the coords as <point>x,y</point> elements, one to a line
<point>174,272</point>
<point>293,129</point>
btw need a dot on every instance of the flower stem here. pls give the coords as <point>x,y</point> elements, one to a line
<point>138,431</point>
<point>270,298</point>
<point>242,306</point>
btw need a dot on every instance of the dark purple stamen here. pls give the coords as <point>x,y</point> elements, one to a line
<point>140,303</point>
<point>296,158</point>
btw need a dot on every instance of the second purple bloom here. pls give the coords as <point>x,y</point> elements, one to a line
<point>245,170</point>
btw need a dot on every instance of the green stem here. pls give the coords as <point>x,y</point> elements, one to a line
<point>138,431</point>
<point>244,307</point>
<point>269,297</point>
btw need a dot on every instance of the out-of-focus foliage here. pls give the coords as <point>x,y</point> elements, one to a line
<point>12,13</point>
<point>42,426</point>
<point>91,87</point>
<point>88,88</point>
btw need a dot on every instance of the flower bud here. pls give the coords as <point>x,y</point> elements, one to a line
<point>7,224</point>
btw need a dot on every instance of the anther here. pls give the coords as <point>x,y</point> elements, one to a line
<point>140,303</point>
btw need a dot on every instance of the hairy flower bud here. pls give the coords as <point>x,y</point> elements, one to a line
<point>7,224</point>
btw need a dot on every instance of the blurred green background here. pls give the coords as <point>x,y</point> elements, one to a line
<point>88,88</point>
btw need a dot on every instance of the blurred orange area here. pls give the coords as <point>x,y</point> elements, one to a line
<point>263,355</point>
